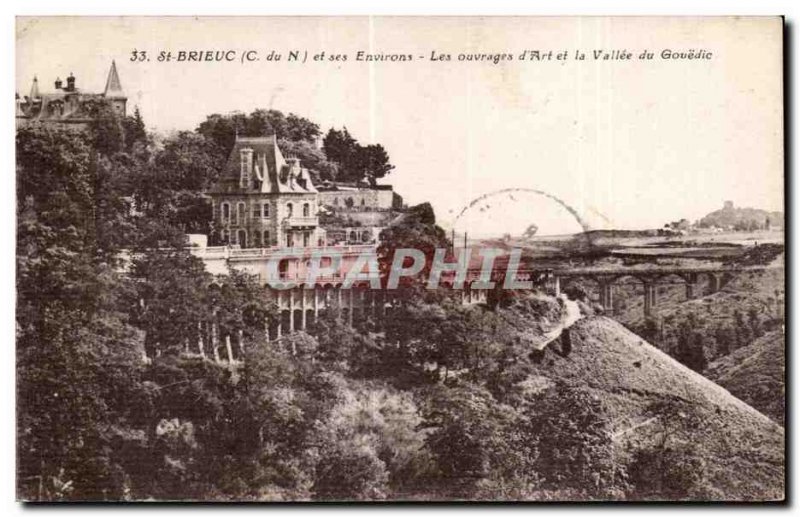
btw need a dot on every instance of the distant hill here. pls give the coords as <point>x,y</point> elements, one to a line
<point>741,449</point>
<point>736,218</point>
<point>755,374</point>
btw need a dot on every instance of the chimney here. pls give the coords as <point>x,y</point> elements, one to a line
<point>58,83</point>
<point>71,83</point>
<point>294,163</point>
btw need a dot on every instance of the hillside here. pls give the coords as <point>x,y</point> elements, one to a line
<point>741,449</point>
<point>739,329</point>
<point>755,374</point>
<point>749,305</point>
<point>741,218</point>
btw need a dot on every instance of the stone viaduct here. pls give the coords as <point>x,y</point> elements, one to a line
<point>607,278</point>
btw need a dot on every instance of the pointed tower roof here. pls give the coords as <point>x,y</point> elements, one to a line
<point>35,88</point>
<point>113,86</point>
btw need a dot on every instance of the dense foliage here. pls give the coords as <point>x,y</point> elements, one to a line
<point>341,158</point>
<point>127,392</point>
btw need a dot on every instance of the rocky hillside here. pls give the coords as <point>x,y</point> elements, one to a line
<point>741,218</point>
<point>658,407</point>
<point>755,374</point>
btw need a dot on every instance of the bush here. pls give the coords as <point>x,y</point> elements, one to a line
<point>576,450</point>
<point>350,470</point>
<point>667,474</point>
<point>481,446</point>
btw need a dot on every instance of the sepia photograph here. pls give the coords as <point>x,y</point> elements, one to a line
<point>450,259</point>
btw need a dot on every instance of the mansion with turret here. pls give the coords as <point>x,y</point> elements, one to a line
<point>264,200</point>
<point>66,104</point>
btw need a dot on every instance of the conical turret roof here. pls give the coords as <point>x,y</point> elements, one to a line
<point>113,85</point>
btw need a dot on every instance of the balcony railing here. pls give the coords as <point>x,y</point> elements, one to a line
<point>297,221</point>
<point>225,252</point>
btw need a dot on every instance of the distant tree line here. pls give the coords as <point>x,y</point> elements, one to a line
<point>341,157</point>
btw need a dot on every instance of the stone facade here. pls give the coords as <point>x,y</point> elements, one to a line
<point>263,199</point>
<point>359,198</point>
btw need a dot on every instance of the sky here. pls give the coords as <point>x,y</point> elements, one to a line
<point>627,144</point>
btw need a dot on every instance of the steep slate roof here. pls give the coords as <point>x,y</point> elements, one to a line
<point>42,108</point>
<point>113,86</point>
<point>281,177</point>
<point>63,104</point>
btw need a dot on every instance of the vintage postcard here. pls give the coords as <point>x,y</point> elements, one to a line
<point>419,259</point>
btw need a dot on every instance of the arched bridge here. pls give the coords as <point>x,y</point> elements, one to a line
<point>606,278</point>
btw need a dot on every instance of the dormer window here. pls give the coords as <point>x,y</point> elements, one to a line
<point>246,166</point>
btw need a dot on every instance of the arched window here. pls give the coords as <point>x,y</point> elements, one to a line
<point>267,241</point>
<point>283,268</point>
<point>241,237</point>
<point>256,240</point>
<point>226,212</point>
<point>289,209</point>
<point>224,236</point>
<point>241,213</point>
<point>306,210</point>
<point>306,239</point>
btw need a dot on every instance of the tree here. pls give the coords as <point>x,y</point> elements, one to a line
<point>169,187</point>
<point>356,162</point>
<point>650,330</point>
<point>754,322</point>
<point>134,130</point>
<point>170,299</point>
<point>340,147</point>
<point>222,129</point>
<point>725,339</point>
<point>576,450</point>
<point>690,346</point>
<point>671,468</point>
<point>744,332</point>
<point>106,127</point>
<point>311,158</point>
<point>374,163</point>
<point>479,443</point>
<point>77,358</point>
<point>418,230</point>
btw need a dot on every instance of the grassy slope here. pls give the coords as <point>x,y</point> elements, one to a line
<point>760,382</point>
<point>755,374</point>
<point>743,449</point>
